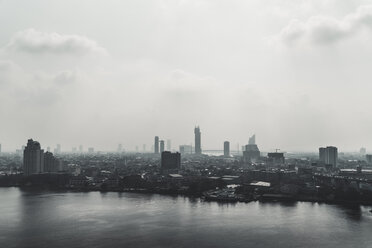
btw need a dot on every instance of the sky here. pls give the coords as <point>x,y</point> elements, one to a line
<point>298,74</point>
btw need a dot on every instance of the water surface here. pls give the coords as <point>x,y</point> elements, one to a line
<point>94,219</point>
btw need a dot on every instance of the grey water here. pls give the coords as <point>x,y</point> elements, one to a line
<point>92,219</point>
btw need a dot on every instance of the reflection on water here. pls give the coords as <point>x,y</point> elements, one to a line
<point>31,218</point>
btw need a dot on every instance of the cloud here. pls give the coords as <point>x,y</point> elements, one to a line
<point>324,30</point>
<point>65,77</point>
<point>36,42</point>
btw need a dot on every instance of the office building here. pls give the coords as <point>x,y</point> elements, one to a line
<point>369,159</point>
<point>161,146</point>
<point>363,151</point>
<point>120,148</point>
<point>197,133</point>
<point>331,156</point>
<point>251,153</point>
<point>156,145</point>
<point>252,140</point>
<point>51,163</point>
<point>328,156</point>
<point>169,145</point>
<point>33,158</point>
<point>322,155</point>
<point>90,150</point>
<point>226,149</point>
<point>81,149</point>
<point>185,149</point>
<point>170,162</point>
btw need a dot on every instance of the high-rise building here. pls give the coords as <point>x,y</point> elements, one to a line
<point>0,148</point>
<point>144,148</point>
<point>369,159</point>
<point>252,140</point>
<point>33,158</point>
<point>185,149</point>
<point>90,150</point>
<point>161,146</point>
<point>197,133</point>
<point>251,153</point>
<point>363,151</point>
<point>170,162</point>
<point>156,145</point>
<point>57,150</point>
<point>169,145</point>
<point>81,149</point>
<point>120,148</point>
<point>328,155</point>
<point>322,155</point>
<point>226,149</point>
<point>331,156</point>
<point>51,163</point>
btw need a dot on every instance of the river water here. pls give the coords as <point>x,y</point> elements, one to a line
<point>94,219</point>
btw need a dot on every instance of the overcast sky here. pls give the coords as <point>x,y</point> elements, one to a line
<point>298,74</point>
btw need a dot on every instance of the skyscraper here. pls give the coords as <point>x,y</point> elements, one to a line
<point>51,164</point>
<point>185,149</point>
<point>81,149</point>
<point>156,145</point>
<point>120,147</point>
<point>322,155</point>
<point>33,158</point>
<point>0,148</point>
<point>169,145</point>
<point>328,155</point>
<point>57,150</point>
<point>251,153</point>
<point>331,156</point>
<point>226,149</point>
<point>197,133</point>
<point>252,140</point>
<point>161,146</point>
<point>363,151</point>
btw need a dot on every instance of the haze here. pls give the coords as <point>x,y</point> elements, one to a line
<point>99,73</point>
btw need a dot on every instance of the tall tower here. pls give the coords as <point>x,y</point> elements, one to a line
<point>161,146</point>
<point>33,158</point>
<point>156,145</point>
<point>226,149</point>
<point>331,156</point>
<point>328,155</point>
<point>252,140</point>
<point>169,145</point>
<point>197,140</point>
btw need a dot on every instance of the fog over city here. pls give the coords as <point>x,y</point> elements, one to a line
<point>99,73</point>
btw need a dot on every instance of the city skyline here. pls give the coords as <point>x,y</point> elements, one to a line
<point>185,123</point>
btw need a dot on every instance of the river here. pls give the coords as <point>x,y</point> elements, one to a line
<point>30,218</point>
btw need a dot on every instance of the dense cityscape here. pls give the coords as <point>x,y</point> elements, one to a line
<point>232,176</point>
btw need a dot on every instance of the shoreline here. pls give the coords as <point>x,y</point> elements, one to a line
<point>198,195</point>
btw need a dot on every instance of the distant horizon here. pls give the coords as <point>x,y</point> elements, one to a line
<point>173,148</point>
